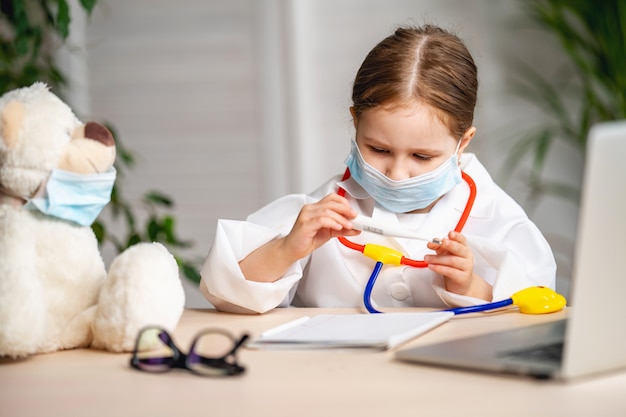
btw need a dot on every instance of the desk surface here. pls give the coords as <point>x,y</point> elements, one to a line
<point>298,383</point>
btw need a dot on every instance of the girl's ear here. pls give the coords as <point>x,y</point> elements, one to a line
<point>354,118</point>
<point>466,139</point>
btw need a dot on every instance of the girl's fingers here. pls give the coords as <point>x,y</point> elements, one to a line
<point>322,220</point>
<point>450,261</point>
<point>453,274</point>
<point>453,258</point>
<point>454,244</point>
<point>335,208</point>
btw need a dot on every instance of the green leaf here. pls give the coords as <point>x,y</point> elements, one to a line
<point>133,239</point>
<point>168,229</point>
<point>126,157</point>
<point>190,272</point>
<point>153,230</point>
<point>522,148</point>
<point>568,192</point>
<point>88,5</point>
<point>542,145</point>
<point>158,198</point>
<point>63,18</point>
<point>99,230</point>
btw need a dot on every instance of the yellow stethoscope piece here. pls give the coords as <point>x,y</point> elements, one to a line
<point>538,300</point>
<point>383,254</point>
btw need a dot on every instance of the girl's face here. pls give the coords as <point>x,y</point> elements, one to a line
<point>405,141</point>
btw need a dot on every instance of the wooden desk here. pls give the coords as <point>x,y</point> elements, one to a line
<point>298,383</point>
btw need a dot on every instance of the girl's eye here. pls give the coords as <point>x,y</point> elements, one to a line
<point>422,157</point>
<point>378,150</point>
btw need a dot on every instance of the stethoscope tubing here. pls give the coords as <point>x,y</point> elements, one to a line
<point>369,287</point>
<point>459,226</point>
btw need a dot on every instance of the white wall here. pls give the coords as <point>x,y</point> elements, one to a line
<point>232,103</point>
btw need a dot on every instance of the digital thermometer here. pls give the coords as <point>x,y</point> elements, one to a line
<point>368,224</point>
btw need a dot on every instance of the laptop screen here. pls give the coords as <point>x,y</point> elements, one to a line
<point>595,336</point>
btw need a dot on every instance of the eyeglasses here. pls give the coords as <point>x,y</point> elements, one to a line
<point>212,352</point>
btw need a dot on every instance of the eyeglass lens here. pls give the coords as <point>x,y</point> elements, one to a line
<point>155,351</point>
<point>212,353</point>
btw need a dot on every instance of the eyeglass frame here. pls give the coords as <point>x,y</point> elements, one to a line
<point>180,360</point>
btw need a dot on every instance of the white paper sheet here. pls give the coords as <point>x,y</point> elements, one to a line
<point>375,331</point>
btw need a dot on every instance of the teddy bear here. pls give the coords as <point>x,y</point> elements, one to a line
<point>56,175</point>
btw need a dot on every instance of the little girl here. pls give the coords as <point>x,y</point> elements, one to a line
<point>413,107</point>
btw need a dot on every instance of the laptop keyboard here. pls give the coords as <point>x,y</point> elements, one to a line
<point>545,353</point>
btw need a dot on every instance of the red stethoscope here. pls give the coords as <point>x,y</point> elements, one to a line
<point>384,255</point>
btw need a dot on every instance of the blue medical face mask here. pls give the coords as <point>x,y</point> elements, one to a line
<point>406,195</point>
<point>75,197</point>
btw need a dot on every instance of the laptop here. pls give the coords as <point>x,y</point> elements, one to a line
<point>592,339</point>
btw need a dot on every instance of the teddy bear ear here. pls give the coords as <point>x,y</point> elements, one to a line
<point>11,121</point>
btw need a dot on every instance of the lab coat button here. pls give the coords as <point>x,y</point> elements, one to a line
<point>399,291</point>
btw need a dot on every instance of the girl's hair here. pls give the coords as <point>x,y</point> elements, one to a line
<point>425,64</point>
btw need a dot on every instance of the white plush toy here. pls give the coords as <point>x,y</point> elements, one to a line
<point>56,174</point>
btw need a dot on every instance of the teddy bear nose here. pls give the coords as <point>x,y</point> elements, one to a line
<point>97,132</point>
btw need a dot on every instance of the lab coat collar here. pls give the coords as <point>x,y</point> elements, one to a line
<point>353,188</point>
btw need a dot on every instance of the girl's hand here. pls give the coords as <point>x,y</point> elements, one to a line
<point>319,222</point>
<point>316,224</point>
<point>454,260</point>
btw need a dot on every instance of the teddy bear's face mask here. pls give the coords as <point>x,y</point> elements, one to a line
<point>75,197</point>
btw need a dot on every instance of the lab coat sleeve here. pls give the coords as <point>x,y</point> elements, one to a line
<point>530,262</point>
<point>223,283</point>
<point>508,268</point>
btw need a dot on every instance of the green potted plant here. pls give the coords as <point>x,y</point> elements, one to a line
<point>32,32</point>
<point>590,88</point>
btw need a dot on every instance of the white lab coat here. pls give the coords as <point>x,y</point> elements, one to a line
<point>510,253</point>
